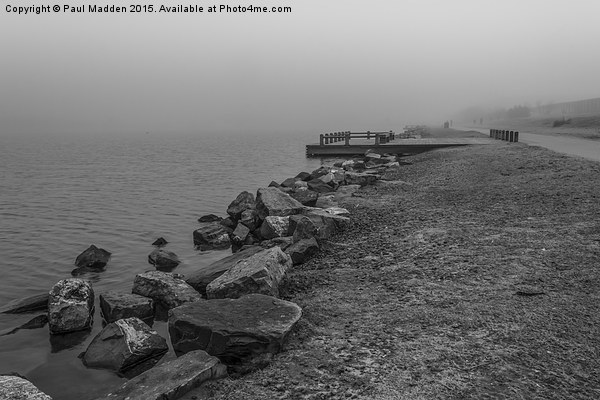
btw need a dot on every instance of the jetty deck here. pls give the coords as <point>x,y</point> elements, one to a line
<point>348,144</point>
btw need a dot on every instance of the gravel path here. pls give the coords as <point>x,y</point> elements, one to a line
<point>472,273</point>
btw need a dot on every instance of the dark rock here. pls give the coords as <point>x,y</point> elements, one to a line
<point>250,219</point>
<point>259,273</point>
<point>319,186</point>
<point>306,197</point>
<point>18,388</point>
<point>282,242</point>
<point>272,201</point>
<point>318,224</point>
<point>240,234</point>
<point>235,330</point>
<point>274,226</point>
<point>123,344</point>
<point>202,277</point>
<point>160,242</point>
<point>289,182</point>
<point>362,179</point>
<point>317,173</point>
<point>209,218</point>
<point>165,288</point>
<point>244,201</point>
<point>70,306</point>
<point>172,379</point>
<point>211,236</point>
<point>286,190</point>
<point>304,176</point>
<point>163,259</point>
<point>229,224</point>
<point>93,257</point>
<point>36,302</point>
<point>115,305</point>
<point>274,184</point>
<point>303,227</point>
<point>302,250</point>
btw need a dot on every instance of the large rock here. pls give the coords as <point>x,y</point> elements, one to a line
<point>165,288</point>
<point>211,236</point>
<point>244,201</point>
<point>274,226</point>
<point>359,178</point>
<point>319,186</point>
<point>17,388</point>
<point>302,250</point>
<point>124,344</point>
<point>235,330</point>
<point>316,223</point>
<point>36,302</point>
<point>303,176</point>
<point>163,259</point>
<point>210,218</point>
<point>92,257</point>
<point>116,305</point>
<point>272,201</point>
<point>70,306</point>
<point>260,273</point>
<point>250,219</point>
<point>160,242</point>
<point>319,172</point>
<point>202,277</point>
<point>289,182</point>
<point>172,379</point>
<point>240,234</point>
<point>306,197</point>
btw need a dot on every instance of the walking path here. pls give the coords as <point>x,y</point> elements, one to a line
<point>589,149</point>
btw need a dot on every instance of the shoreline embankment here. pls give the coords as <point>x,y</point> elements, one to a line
<point>471,273</point>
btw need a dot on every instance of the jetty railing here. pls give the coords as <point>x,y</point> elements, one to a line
<point>334,137</point>
<point>500,134</point>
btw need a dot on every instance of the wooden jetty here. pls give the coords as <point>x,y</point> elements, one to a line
<point>357,143</point>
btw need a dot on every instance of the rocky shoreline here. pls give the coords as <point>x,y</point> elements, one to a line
<point>230,310</point>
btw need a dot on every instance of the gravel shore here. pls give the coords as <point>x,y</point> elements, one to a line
<point>472,273</point>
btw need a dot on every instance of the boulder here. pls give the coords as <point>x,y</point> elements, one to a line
<point>327,200</point>
<point>160,242</point>
<point>209,218</point>
<point>171,379</point>
<point>70,306</point>
<point>229,224</point>
<point>211,236</point>
<point>358,178</point>
<point>18,388</point>
<point>274,184</point>
<point>300,185</point>
<point>202,277</point>
<point>163,259</point>
<point>274,226</point>
<point>116,305</point>
<point>165,288</point>
<point>272,201</point>
<point>124,344</point>
<point>289,182</point>
<point>259,273</point>
<point>92,257</point>
<point>235,330</point>
<point>318,173</point>
<point>303,227</point>
<point>306,197</point>
<point>302,250</point>
<point>319,186</point>
<point>244,201</point>
<point>36,302</point>
<point>240,234</point>
<point>303,176</point>
<point>282,242</point>
<point>316,223</point>
<point>250,219</point>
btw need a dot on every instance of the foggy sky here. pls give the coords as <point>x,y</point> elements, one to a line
<point>329,65</point>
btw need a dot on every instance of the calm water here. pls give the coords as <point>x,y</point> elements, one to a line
<point>59,195</point>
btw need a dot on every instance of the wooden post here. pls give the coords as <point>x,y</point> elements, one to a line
<point>516,136</point>
<point>511,136</point>
<point>377,139</point>
<point>368,135</point>
<point>321,142</point>
<point>491,132</point>
<point>347,139</point>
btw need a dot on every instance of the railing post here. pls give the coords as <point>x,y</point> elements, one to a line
<point>377,139</point>
<point>516,136</point>
<point>347,139</point>
<point>321,142</point>
<point>491,132</point>
<point>511,136</point>
<point>368,135</point>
